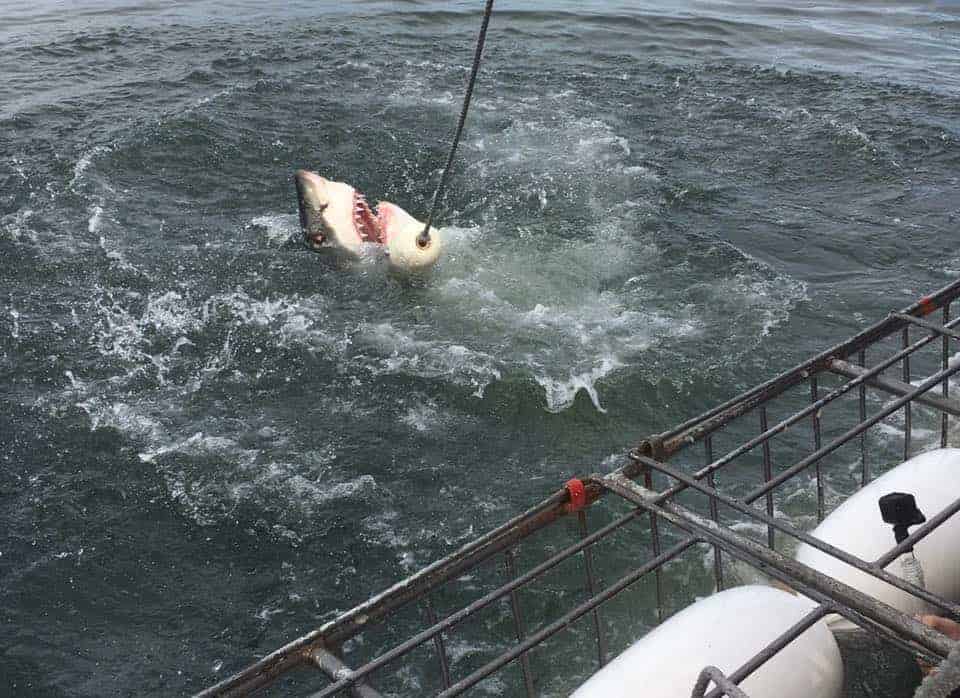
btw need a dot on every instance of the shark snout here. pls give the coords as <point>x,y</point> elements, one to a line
<point>312,200</point>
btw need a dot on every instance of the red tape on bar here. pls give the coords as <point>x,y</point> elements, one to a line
<point>926,305</point>
<point>578,494</point>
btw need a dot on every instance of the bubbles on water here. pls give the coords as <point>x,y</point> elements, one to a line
<point>18,168</point>
<point>278,228</point>
<point>83,164</point>
<point>126,418</point>
<point>561,394</point>
<point>16,226</point>
<point>93,224</point>
<point>15,329</point>
<point>257,383</point>
<point>425,415</point>
<point>402,354</point>
<point>851,133</point>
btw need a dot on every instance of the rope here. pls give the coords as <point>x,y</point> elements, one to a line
<point>424,238</point>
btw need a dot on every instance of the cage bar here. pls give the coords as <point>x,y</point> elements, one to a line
<point>674,529</point>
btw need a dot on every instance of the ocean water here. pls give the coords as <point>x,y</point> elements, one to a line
<point>212,440</point>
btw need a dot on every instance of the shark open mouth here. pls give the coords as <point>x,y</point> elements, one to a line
<point>366,222</point>
<point>335,215</point>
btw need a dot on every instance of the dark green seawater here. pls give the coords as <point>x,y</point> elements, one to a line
<point>211,440</point>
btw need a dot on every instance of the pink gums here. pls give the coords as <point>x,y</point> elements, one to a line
<point>365,222</point>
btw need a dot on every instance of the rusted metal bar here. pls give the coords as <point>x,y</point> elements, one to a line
<point>767,472</point>
<point>792,572</point>
<point>481,603</point>
<point>816,447</point>
<point>881,631</point>
<point>569,618</point>
<point>439,645</point>
<point>655,541</point>
<point>415,587</point>
<point>592,588</point>
<point>850,434</point>
<point>713,675</point>
<point>266,670</point>
<point>908,407</point>
<point>447,568</point>
<point>864,463</point>
<point>895,387</point>
<point>945,386</point>
<point>695,429</point>
<point>796,416</point>
<point>518,624</point>
<point>927,325</point>
<point>714,513</point>
<point>873,568</point>
<point>797,583</point>
<point>331,665</point>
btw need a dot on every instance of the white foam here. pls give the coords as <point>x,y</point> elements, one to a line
<point>16,226</point>
<point>642,172</point>
<point>429,359</point>
<point>15,330</point>
<point>382,529</point>
<point>952,267</point>
<point>18,168</point>
<point>423,416</point>
<point>576,344</point>
<point>123,335</point>
<point>83,164</point>
<point>561,394</point>
<point>93,223</point>
<point>267,612</point>
<point>293,491</point>
<point>851,131</point>
<point>215,96</point>
<point>278,227</point>
<point>121,416</point>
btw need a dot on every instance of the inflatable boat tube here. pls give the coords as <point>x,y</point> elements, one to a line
<point>725,630</point>
<point>933,478</point>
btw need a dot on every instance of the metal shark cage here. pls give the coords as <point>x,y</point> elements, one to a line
<point>811,435</point>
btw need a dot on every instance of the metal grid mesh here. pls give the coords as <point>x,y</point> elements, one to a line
<point>526,609</point>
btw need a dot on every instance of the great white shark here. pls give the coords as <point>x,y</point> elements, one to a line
<point>335,215</point>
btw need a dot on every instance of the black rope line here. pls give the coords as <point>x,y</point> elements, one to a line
<point>424,238</point>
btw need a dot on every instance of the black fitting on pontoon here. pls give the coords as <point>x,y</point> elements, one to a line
<point>900,510</point>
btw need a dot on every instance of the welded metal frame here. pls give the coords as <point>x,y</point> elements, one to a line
<point>845,362</point>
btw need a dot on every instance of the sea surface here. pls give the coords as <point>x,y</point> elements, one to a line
<point>213,440</point>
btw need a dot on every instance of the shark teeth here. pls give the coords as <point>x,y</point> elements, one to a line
<point>365,221</point>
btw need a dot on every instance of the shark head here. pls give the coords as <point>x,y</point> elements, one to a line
<point>335,215</point>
